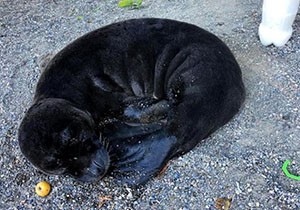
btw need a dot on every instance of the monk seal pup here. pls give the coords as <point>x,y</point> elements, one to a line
<point>127,98</point>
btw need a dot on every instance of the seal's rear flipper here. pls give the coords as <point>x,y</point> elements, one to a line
<point>140,162</point>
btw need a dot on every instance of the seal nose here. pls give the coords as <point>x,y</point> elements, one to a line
<point>97,168</point>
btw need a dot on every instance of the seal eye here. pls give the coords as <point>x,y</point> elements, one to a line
<point>65,134</point>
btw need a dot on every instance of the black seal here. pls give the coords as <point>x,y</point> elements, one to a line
<point>127,98</point>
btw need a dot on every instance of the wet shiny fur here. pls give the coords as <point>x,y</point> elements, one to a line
<point>127,98</point>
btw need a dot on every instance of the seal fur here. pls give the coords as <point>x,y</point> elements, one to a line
<point>128,97</point>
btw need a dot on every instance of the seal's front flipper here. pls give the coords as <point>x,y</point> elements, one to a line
<point>146,110</point>
<point>140,162</point>
<point>120,131</point>
<point>140,117</point>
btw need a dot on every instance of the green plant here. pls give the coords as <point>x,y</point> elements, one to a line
<point>130,3</point>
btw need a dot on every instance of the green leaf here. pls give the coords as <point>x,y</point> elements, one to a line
<point>125,3</point>
<point>130,3</point>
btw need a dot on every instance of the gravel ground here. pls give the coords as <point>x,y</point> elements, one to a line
<point>241,161</point>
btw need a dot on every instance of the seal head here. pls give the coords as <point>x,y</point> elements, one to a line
<point>58,138</point>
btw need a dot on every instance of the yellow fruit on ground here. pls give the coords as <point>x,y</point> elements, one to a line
<point>42,189</point>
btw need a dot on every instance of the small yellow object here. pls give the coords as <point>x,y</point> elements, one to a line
<point>42,189</point>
